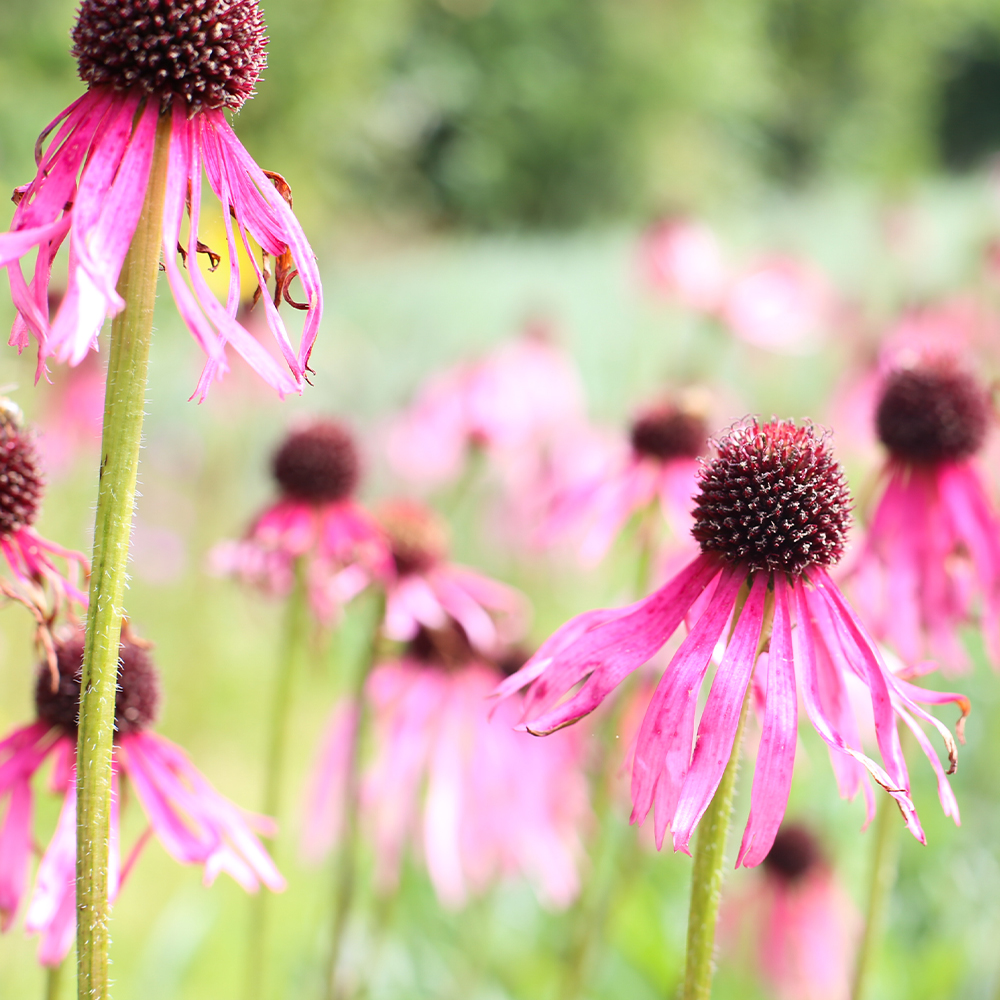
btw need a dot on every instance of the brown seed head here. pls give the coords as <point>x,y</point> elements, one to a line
<point>774,498</point>
<point>318,464</point>
<point>206,53</point>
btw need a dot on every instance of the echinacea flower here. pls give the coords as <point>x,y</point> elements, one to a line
<point>682,258</point>
<point>37,583</point>
<point>180,62</point>
<point>315,518</point>
<point>659,464</point>
<point>425,590</point>
<point>483,800</point>
<point>193,822</point>
<point>802,924</point>
<point>779,304</point>
<point>931,559</point>
<point>771,515</point>
<point>510,405</point>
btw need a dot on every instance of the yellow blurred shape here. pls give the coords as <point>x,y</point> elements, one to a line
<point>212,232</point>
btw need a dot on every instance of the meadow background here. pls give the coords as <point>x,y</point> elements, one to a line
<point>461,166</point>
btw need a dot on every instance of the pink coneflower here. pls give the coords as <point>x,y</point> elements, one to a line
<point>510,405</point>
<point>316,518</point>
<point>771,515</point>
<point>425,590</point>
<point>484,800</point>
<point>70,423</point>
<point>195,824</point>
<point>932,554</point>
<point>659,465</point>
<point>188,59</point>
<point>37,583</point>
<point>803,926</point>
<point>683,259</point>
<point>779,304</point>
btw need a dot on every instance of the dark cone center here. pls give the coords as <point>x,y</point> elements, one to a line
<point>318,464</point>
<point>668,433</point>
<point>774,498</point>
<point>206,53</point>
<point>137,700</point>
<point>21,480</point>
<point>931,415</point>
<point>794,853</point>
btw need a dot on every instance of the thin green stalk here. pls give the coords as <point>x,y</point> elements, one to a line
<point>710,846</point>
<point>344,882</point>
<point>293,640</point>
<point>885,862</point>
<point>53,979</point>
<point>128,360</point>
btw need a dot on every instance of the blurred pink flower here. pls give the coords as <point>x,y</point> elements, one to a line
<point>484,800</point>
<point>195,824</point>
<point>38,583</point>
<point>802,925</point>
<point>932,552</point>
<point>316,519</point>
<point>510,404</point>
<point>682,258</point>
<point>70,424</point>
<point>659,464</point>
<point>425,590</point>
<point>92,180</point>
<point>779,304</point>
<point>771,514</point>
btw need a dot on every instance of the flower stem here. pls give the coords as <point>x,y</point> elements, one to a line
<point>293,639</point>
<point>53,979</point>
<point>885,860</point>
<point>344,877</point>
<point>128,360</point>
<point>706,879</point>
<point>710,848</point>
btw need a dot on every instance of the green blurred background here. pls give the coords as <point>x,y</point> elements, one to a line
<point>460,165</point>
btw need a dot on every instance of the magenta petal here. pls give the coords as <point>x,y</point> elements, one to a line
<point>663,748</point>
<point>772,779</point>
<point>720,719</point>
<point>803,643</point>
<point>607,654</point>
<point>15,852</point>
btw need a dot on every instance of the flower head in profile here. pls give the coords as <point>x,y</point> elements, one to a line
<point>172,65</point>
<point>931,559</point>
<point>658,465</point>
<point>195,824</point>
<point>425,590</point>
<point>510,404</point>
<point>37,582</point>
<point>682,258</point>
<point>771,514</point>
<point>315,519</point>
<point>779,304</point>
<point>483,800</point>
<point>802,925</point>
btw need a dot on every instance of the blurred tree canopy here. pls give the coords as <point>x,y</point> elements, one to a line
<point>554,113</point>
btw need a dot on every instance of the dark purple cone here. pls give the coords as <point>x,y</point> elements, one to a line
<point>318,464</point>
<point>136,702</point>
<point>774,498</point>
<point>206,53</point>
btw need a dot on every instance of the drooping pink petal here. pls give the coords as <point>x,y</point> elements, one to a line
<point>663,747</point>
<point>803,643</point>
<point>720,719</point>
<point>15,851</point>
<point>772,777</point>
<point>56,876</point>
<point>607,654</point>
<point>324,800</point>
